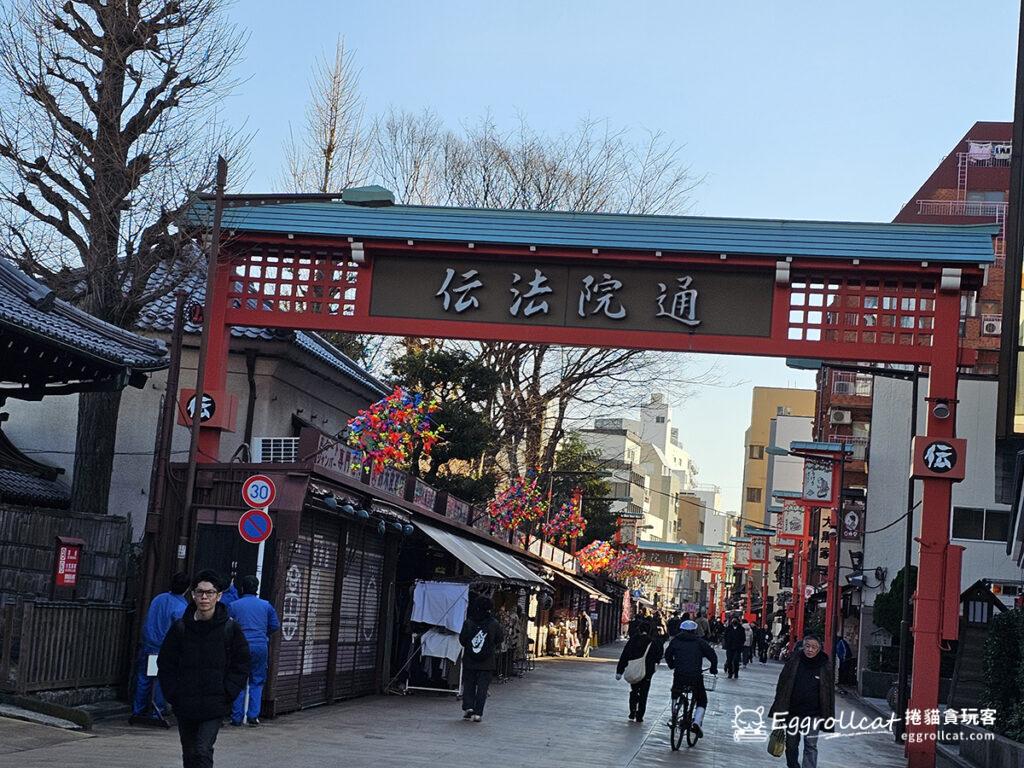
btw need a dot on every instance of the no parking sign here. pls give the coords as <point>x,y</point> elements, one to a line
<point>255,526</point>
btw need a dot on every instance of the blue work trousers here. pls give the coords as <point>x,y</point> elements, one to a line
<point>257,678</point>
<point>143,684</point>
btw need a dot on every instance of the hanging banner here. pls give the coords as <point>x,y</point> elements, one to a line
<point>853,520</point>
<point>759,550</point>
<point>792,520</point>
<point>742,556</point>
<point>819,482</point>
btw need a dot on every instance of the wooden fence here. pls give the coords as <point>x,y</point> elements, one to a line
<point>50,645</point>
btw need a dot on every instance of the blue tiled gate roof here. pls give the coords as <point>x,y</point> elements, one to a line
<point>822,239</point>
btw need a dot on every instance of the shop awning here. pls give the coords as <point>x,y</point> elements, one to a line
<point>594,592</point>
<point>486,562</point>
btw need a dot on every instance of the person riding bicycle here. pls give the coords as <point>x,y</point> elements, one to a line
<point>685,655</point>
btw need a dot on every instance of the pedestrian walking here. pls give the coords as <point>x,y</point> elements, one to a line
<point>646,645</point>
<point>673,624</point>
<point>732,641</point>
<point>805,700</point>
<point>481,635</point>
<point>584,629</point>
<point>685,657</point>
<point>842,655</point>
<point>204,663</point>
<point>748,643</point>
<point>703,626</point>
<point>164,610</point>
<point>764,637</point>
<point>258,621</point>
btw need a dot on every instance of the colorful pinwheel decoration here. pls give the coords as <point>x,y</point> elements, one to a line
<point>521,502</point>
<point>566,524</point>
<point>386,433</point>
<point>628,565</point>
<point>596,556</point>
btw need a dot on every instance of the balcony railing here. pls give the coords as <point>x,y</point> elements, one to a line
<point>851,384</point>
<point>962,208</point>
<point>858,444</point>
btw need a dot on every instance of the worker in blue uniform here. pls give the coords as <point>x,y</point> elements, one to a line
<point>165,609</point>
<point>258,621</point>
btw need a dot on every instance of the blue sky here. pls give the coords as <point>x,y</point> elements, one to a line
<point>791,109</point>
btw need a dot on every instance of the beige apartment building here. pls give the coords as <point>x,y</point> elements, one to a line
<point>766,404</point>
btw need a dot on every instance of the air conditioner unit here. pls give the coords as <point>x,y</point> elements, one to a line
<point>991,325</point>
<point>840,417</point>
<point>275,450</point>
<point>844,388</point>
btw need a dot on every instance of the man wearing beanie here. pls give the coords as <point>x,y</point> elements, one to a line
<point>804,700</point>
<point>481,635</point>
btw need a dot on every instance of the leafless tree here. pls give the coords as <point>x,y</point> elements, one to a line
<point>332,150</point>
<point>108,120</point>
<point>545,390</point>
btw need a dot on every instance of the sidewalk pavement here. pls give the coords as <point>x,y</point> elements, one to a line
<point>567,713</point>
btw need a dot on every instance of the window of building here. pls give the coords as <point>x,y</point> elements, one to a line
<point>659,419</point>
<point>984,196</point>
<point>756,452</point>
<point>979,524</point>
<point>754,495</point>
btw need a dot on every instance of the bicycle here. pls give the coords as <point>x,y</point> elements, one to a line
<point>681,722</point>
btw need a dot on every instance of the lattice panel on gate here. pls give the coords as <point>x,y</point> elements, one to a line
<point>321,281</point>
<point>854,311</point>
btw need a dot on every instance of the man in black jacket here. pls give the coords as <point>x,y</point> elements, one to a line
<point>203,665</point>
<point>733,642</point>
<point>805,700</point>
<point>685,657</point>
<point>481,634</point>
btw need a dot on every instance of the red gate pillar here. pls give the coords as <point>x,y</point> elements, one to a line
<point>218,346</point>
<point>934,540</point>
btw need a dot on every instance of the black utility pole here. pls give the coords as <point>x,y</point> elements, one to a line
<point>1012,257</point>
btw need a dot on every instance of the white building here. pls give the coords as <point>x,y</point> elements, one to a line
<point>978,522</point>
<point>653,470</point>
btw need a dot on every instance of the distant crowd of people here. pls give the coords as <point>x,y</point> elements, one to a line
<point>805,691</point>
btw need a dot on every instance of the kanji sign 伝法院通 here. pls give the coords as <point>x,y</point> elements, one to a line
<point>713,562</point>
<point>632,298</point>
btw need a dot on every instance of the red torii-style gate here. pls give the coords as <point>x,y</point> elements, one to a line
<point>833,291</point>
<point>688,557</point>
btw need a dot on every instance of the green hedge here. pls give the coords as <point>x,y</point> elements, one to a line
<point>1004,673</point>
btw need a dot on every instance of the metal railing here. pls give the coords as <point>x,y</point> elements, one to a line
<point>851,384</point>
<point>858,444</point>
<point>962,208</point>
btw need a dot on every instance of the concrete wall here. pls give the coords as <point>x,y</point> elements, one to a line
<point>288,382</point>
<point>890,468</point>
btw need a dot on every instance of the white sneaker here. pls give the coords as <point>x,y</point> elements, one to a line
<point>477,718</point>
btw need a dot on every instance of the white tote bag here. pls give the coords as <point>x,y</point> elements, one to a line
<point>636,669</point>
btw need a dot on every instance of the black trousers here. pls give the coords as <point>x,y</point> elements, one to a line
<point>732,661</point>
<point>475,683</point>
<point>638,697</point>
<point>197,738</point>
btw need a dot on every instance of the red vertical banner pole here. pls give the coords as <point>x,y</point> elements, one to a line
<point>934,537</point>
<point>830,593</point>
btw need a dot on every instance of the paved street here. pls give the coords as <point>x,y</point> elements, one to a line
<point>564,714</point>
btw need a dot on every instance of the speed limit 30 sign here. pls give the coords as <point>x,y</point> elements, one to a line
<point>259,491</point>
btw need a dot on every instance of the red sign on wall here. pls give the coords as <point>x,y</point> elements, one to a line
<point>69,556</point>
